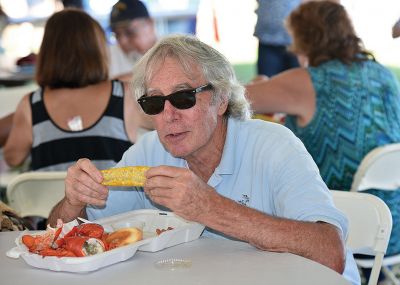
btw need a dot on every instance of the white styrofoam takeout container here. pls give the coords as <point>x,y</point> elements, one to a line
<point>150,220</point>
<point>183,231</point>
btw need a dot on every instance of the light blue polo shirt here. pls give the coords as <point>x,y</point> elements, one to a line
<point>264,166</point>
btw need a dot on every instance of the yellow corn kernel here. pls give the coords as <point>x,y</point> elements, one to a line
<point>124,176</point>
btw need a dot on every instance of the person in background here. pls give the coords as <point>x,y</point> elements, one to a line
<point>77,111</point>
<point>273,39</point>
<point>135,33</point>
<point>10,221</point>
<point>343,105</point>
<point>243,179</point>
<point>3,20</point>
<point>396,29</point>
<point>3,24</point>
<point>73,4</point>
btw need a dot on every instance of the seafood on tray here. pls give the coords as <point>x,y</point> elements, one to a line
<point>82,240</point>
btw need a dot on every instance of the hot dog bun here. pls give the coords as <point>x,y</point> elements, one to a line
<point>123,237</point>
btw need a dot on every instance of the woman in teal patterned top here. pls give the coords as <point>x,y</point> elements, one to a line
<point>342,105</point>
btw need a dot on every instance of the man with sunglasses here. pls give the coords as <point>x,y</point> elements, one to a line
<point>135,33</point>
<point>244,179</point>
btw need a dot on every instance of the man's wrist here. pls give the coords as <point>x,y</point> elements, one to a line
<point>72,211</point>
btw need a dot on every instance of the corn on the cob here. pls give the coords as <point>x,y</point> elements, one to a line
<point>124,176</point>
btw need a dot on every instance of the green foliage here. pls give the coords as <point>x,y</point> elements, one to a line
<point>245,72</point>
<point>395,70</point>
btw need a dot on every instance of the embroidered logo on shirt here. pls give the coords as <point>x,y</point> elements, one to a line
<point>245,200</point>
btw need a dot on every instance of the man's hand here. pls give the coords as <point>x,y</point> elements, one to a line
<point>178,189</point>
<point>82,185</point>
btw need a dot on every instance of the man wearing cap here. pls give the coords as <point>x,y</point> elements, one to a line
<point>135,32</point>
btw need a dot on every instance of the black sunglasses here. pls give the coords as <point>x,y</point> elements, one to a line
<point>184,99</point>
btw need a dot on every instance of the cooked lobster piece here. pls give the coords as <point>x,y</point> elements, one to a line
<point>84,246</point>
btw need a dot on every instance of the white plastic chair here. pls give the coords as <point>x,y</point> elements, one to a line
<point>370,225</point>
<point>36,193</point>
<point>380,169</point>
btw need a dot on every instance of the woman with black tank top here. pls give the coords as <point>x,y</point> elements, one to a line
<point>77,111</point>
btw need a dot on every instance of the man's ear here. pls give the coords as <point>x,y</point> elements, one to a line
<point>223,106</point>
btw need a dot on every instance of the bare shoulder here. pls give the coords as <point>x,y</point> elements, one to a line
<point>19,141</point>
<point>24,108</point>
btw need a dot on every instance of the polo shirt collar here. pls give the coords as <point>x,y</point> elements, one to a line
<point>227,164</point>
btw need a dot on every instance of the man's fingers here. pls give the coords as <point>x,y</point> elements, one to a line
<point>82,180</point>
<point>163,170</point>
<point>160,192</point>
<point>88,167</point>
<point>91,200</point>
<point>82,186</point>
<point>160,182</point>
<point>99,192</point>
<point>86,194</point>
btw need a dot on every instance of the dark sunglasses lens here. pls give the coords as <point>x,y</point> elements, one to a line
<point>183,100</point>
<point>152,105</point>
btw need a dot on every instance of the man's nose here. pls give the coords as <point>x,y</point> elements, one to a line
<point>170,113</point>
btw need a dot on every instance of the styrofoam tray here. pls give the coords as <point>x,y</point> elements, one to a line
<point>150,220</point>
<point>81,264</point>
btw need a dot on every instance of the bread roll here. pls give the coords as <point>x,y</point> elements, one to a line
<point>123,237</point>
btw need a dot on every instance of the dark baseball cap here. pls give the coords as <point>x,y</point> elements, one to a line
<point>127,10</point>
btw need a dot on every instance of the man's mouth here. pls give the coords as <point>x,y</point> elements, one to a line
<point>175,137</point>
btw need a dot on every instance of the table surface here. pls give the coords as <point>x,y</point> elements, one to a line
<point>214,261</point>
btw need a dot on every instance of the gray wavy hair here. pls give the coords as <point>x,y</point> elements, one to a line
<point>189,51</point>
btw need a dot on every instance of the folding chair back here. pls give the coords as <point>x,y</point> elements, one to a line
<point>36,193</point>
<point>370,225</point>
<point>380,169</point>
